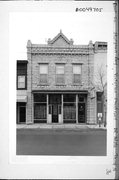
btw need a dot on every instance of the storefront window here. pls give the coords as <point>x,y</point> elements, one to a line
<point>69,108</point>
<point>69,111</point>
<point>40,108</point>
<point>40,111</point>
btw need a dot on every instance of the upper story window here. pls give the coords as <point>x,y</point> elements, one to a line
<point>21,82</point>
<point>60,74</point>
<point>21,75</point>
<point>43,71</point>
<point>77,73</point>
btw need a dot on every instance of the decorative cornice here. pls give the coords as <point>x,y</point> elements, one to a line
<point>56,50</point>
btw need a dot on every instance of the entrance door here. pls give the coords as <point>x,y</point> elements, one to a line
<point>22,114</point>
<point>55,104</point>
<point>81,112</point>
<point>54,113</point>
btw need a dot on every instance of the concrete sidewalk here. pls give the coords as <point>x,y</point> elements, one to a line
<point>59,126</point>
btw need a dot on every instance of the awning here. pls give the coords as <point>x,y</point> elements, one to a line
<point>21,98</point>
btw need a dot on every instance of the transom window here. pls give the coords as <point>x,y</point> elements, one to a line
<point>69,98</point>
<point>40,97</point>
<point>60,74</point>
<point>43,71</point>
<point>76,73</point>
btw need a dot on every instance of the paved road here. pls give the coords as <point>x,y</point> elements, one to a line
<point>61,142</point>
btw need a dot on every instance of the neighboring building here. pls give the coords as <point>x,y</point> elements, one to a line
<point>21,91</point>
<point>55,84</point>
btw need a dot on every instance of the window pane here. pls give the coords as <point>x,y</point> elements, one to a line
<point>21,69</point>
<point>21,78</point>
<point>59,69</point>
<point>43,78</point>
<point>40,97</point>
<point>43,68</point>
<point>77,69</point>
<point>60,78</point>
<point>77,78</point>
<point>54,99</point>
<point>21,81</point>
<point>40,111</point>
<point>69,98</point>
<point>69,111</point>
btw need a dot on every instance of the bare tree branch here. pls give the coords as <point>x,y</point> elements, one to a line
<point>100,78</point>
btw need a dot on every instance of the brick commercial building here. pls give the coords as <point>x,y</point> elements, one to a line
<point>55,83</point>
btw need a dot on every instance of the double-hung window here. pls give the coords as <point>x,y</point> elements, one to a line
<point>21,75</point>
<point>43,72</point>
<point>60,79</point>
<point>76,73</point>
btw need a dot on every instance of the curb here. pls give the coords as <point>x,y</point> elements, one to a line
<point>62,127</point>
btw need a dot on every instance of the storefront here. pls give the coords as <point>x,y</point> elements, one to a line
<point>59,107</point>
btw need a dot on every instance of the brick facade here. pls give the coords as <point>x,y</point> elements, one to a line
<point>60,50</point>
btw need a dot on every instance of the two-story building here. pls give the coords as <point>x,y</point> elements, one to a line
<point>55,83</point>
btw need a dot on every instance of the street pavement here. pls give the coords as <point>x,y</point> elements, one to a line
<point>67,142</point>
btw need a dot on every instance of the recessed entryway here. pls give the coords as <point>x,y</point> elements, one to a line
<point>55,106</point>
